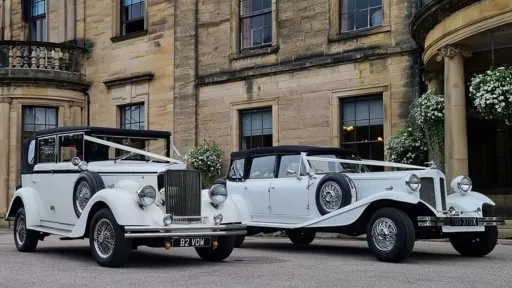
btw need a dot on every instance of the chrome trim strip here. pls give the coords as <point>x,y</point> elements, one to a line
<point>185,234</point>
<point>184,229</point>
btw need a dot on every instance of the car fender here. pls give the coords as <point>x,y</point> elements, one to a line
<point>124,206</point>
<point>229,209</point>
<point>30,199</point>
<point>469,202</point>
<point>350,213</point>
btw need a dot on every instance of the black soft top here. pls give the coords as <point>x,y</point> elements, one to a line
<point>106,131</point>
<point>289,150</point>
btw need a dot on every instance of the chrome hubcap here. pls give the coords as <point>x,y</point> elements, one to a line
<point>83,196</point>
<point>21,230</point>
<point>330,196</point>
<point>384,234</point>
<point>104,238</point>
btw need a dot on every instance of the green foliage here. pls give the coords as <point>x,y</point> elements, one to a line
<point>207,159</point>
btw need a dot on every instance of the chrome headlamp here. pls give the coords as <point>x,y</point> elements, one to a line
<point>146,195</point>
<point>413,183</point>
<point>462,184</point>
<point>218,193</point>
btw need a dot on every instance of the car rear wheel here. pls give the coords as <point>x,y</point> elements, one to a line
<point>108,245</point>
<point>301,237</point>
<point>476,244</point>
<point>26,240</point>
<point>390,235</point>
<point>225,247</point>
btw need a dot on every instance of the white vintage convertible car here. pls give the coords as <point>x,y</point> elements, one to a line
<point>120,189</point>
<point>303,190</point>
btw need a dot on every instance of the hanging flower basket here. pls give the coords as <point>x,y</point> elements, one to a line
<point>428,111</point>
<point>207,159</point>
<point>491,94</point>
<point>407,147</point>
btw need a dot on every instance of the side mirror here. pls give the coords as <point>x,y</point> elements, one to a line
<point>291,172</point>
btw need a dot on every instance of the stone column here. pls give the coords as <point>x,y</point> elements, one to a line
<point>76,113</point>
<point>434,80</point>
<point>5,106</point>
<point>455,123</point>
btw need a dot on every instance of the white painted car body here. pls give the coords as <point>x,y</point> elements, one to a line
<point>289,202</point>
<point>48,190</point>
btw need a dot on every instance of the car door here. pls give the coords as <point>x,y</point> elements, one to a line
<point>256,187</point>
<point>41,178</point>
<point>289,197</point>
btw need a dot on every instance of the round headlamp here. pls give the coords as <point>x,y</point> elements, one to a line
<point>146,195</point>
<point>462,184</point>
<point>218,193</point>
<point>413,183</point>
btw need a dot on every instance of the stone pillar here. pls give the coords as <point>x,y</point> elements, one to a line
<point>5,106</point>
<point>434,80</point>
<point>76,113</point>
<point>455,123</point>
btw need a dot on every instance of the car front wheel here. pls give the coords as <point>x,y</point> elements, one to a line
<point>476,244</point>
<point>225,247</point>
<point>108,245</point>
<point>26,240</point>
<point>390,235</point>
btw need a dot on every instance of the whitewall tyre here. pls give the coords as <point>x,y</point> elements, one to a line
<point>25,240</point>
<point>301,237</point>
<point>223,250</point>
<point>476,244</point>
<point>390,235</point>
<point>108,245</point>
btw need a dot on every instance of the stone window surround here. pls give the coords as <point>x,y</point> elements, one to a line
<point>235,52</point>
<point>25,26</point>
<point>336,35</point>
<point>116,23</point>
<point>359,92</point>
<point>235,119</point>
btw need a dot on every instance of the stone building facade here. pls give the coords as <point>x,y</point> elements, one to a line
<point>240,73</point>
<point>459,39</point>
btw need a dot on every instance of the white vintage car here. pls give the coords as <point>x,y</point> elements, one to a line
<point>120,189</point>
<point>303,190</point>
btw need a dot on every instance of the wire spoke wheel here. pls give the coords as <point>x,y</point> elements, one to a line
<point>331,196</point>
<point>384,234</point>
<point>83,195</point>
<point>21,230</point>
<point>104,238</point>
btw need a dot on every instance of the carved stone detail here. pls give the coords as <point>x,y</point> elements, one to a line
<point>432,75</point>
<point>5,99</point>
<point>450,51</point>
<point>76,104</point>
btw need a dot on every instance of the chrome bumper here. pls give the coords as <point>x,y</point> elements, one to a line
<point>192,231</point>
<point>428,221</point>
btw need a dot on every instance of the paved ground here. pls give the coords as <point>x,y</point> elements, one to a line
<point>261,262</point>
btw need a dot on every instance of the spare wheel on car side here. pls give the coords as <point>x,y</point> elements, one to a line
<point>86,185</point>
<point>333,192</point>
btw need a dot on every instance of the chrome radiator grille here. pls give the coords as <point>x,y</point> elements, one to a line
<point>427,191</point>
<point>443,193</point>
<point>183,194</point>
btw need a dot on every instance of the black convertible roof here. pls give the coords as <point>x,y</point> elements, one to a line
<point>107,131</point>
<point>289,149</point>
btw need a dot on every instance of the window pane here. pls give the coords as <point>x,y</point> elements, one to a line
<point>256,6</point>
<point>377,133</point>
<point>289,162</point>
<point>28,115</point>
<point>40,115</point>
<point>349,133</point>
<point>246,32</point>
<point>347,6</point>
<point>348,22</point>
<point>245,7</point>
<point>267,5</point>
<point>267,35</point>
<point>256,22</point>
<point>136,11</point>
<point>362,113</point>
<point>256,120</point>
<point>267,19</point>
<point>51,116</point>
<point>246,124</point>
<point>262,168</point>
<point>127,2</point>
<point>236,170</point>
<point>375,16</point>
<point>41,8</point>
<point>361,19</point>
<point>46,150</point>
<point>135,1</point>
<point>361,4</point>
<point>349,111</point>
<point>373,3</point>
<point>267,119</point>
<point>376,111</point>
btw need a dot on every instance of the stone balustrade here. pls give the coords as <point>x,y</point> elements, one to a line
<point>28,61</point>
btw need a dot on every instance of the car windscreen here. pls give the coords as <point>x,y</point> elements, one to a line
<point>324,167</point>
